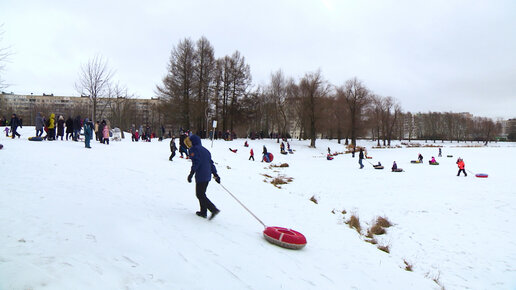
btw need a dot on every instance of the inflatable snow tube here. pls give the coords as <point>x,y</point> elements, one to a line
<point>449,156</point>
<point>369,157</point>
<point>377,167</point>
<point>397,170</point>
<point>271,157</point>
<point>415,161</point>
<point>283,237</point>
<point>433,163</point>
<point>481,175</point>
<point>35,139</point>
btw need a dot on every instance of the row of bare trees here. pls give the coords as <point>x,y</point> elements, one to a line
<point>199,87</point>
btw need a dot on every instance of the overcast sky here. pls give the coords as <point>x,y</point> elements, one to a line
<point>441,55</point>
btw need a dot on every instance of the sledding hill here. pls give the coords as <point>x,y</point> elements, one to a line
<point>121,216</point>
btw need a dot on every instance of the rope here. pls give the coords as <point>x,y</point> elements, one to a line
<point>243,205</point>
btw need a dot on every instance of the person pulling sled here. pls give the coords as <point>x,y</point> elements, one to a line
<point>203,167</point>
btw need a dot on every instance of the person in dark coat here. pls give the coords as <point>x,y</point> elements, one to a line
<point>69,127</point>
<point>15,122</point>
<point>76,128</point>
<point>60,127</point>
<point>203,168</point>
<point>40,123</point>
<point>360,157</point>
<point>173,148</point>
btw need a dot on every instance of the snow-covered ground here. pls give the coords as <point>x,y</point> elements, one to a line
<point>121,216</point>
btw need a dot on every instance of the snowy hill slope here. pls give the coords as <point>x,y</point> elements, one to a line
<point>121,216</point>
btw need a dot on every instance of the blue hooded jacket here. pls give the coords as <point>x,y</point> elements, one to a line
<point>202,165</point>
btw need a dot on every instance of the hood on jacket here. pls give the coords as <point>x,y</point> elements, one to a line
<point>195,140</point>
<point>53,116</point>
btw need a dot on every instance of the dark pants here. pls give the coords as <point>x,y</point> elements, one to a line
<point>463,170</point>
<point>39,132</point>
<point>251,157</point>
<point>204,202</point>
<point>13,131</point>
<point>87,139</point>
<point>172,155</point>
<point>360,162</point>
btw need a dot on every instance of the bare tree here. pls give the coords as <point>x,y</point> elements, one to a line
<point>357,97</point>
<point>177,85</point>
<point>312,89</point>
<point>94,81</point>
<point>204,65</point>
<point>4,55</point>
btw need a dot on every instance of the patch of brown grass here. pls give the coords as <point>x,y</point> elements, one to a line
<point>384,248</point>
<point>267,175</point>
<point>313,199</point>
<point>408,266</point>
<point>383,222</point>
<point>354,222</point>
<point>343,211</point>
<point>277,181</point>
<point>375,230</point>
<point>372,241</point>
<point>282,165</point>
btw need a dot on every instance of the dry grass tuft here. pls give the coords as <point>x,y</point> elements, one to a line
<point>277,181</point>
<point>267,175</point>
<point>383,222</point>
<point>282,165</point>
<point>343,211</point>
<point>375,230</point>
<point>408,266</point>
<point>384,248</point>
<point>228,167</point>
<point>313,199</point>
<point>372,241</point>
<point>354,222</point>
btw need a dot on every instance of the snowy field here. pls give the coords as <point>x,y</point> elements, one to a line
<point>122,216</point>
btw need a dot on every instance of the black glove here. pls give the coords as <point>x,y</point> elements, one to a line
<point>217,178</point>
<point>190,178</point>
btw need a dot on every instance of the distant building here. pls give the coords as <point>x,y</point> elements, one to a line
<point>140,111</point>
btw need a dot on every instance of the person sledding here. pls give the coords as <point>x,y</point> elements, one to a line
<point>433,161</point>
<point>246,144</point>
<point>233,150</point>
<point>289,149</point>
<point>462,167</point>
<point>395,167</point>
<point>329,157</point>
<point>378,166</point>
<point>203,167</point>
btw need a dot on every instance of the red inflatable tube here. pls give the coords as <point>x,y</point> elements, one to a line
<point>481,175</point>
<point>271,157</point>
<point>286,238</point>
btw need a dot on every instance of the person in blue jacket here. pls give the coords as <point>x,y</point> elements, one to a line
<point>88,132</point>
<point>203,168</point>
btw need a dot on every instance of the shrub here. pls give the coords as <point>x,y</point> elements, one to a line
<point>313,199</point>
